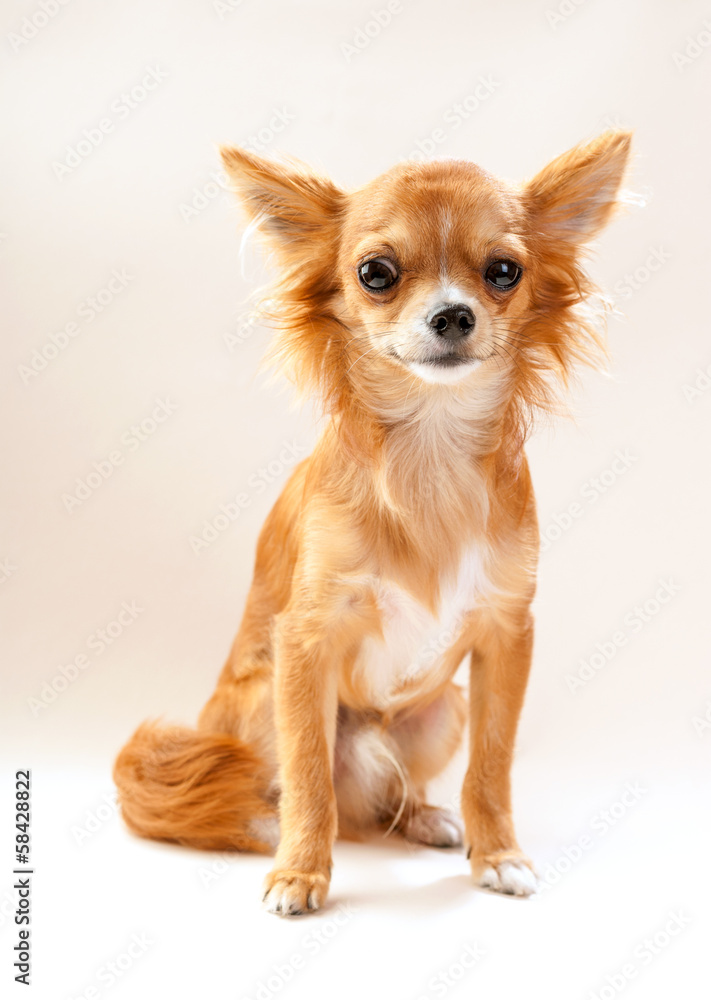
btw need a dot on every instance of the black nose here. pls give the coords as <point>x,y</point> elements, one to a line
<point>452,322</point>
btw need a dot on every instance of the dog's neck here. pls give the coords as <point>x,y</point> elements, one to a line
<point>434,461</point>
<point>438,436</point>
<point>425,482</point>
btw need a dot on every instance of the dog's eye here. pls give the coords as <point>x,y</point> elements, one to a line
<point>378,274</point>
<point>503,274</point>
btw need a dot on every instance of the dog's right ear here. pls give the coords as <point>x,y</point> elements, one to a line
<point>286,201</point>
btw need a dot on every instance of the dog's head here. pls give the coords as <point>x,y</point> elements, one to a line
<point>435,274</point>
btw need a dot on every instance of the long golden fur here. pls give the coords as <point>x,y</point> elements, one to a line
<point>408,539</point>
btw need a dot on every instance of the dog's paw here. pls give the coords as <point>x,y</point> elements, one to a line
<point>510,875</point>
<point>434,827</point>
<point>289,893</point>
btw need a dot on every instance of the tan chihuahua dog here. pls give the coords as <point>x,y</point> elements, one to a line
<point>432,312</point>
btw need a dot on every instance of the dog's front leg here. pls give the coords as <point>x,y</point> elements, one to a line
<point>305,703</point>
<point>499,671</point>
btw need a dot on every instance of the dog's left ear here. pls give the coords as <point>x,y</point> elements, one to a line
<point>289,203</point>
<point>573,197</point>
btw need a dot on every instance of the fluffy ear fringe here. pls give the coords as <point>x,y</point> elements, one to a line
<point>285,200</point>
<point>298,212</point>
<point>568,203</point>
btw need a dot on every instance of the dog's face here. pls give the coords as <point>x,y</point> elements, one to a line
<point>434,273</point>
<point>433,269</point>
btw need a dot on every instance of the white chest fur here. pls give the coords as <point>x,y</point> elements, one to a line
<point>414,640</point>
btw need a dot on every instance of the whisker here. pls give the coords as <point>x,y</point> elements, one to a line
<point>510,356</point>
<point>360,358</point>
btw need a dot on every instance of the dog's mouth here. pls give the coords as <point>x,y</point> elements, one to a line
<point>446,368</point>
<point>451,360</point>
<point>448,360</point>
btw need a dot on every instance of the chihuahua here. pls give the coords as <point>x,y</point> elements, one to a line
<point>433,312</point>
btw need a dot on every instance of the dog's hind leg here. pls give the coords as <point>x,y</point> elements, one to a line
<point>426,742</point>
<point>381,772</point>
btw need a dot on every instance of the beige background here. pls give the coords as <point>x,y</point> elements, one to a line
<point>171,329</point>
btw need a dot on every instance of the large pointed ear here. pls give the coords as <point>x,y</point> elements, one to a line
<point>573,197</point>
<point>288,202</point>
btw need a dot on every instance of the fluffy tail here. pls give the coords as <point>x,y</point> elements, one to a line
<point>204,790</point>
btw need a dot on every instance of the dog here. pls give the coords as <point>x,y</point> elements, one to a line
<point>433,312</point>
